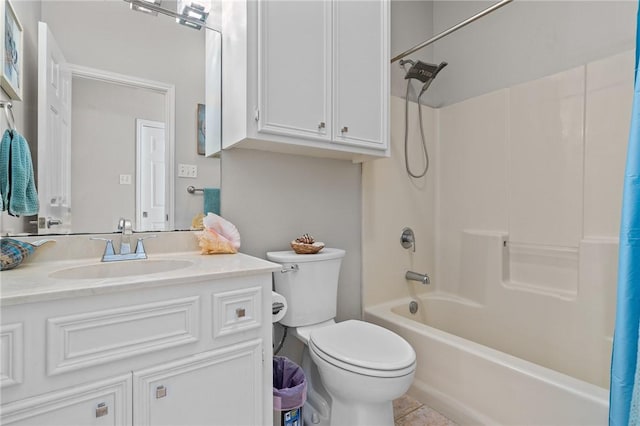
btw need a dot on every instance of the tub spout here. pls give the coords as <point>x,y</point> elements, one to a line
<point>414,276</point>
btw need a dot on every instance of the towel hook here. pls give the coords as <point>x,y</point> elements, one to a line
<point>8,110</point>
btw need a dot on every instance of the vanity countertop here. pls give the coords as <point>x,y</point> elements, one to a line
<point>31,282</point>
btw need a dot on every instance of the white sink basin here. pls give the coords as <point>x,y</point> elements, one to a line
<point>120,269</point>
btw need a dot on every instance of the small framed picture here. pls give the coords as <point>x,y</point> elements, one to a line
<point>12,51</point>
<point>201,128</point>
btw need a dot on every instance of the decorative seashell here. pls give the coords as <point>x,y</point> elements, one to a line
<point>211,242</point>
<point>305,239</point>
<point>223,227</point>
<point>219,235</point>
<point>302,248</point>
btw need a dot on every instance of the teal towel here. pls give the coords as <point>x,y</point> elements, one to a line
<point>5,148</point>
<point>211,200</point>
<point>17,184</point>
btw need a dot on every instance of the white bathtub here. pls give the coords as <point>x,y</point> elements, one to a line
<point>474,384</point>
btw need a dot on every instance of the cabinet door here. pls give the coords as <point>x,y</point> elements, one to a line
<point>221,387</point>
<point>295,68</point>
<point>106,403</point>
<point>361,70</point>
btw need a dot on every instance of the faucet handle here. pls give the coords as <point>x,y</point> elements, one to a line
<point>108,250</point>
<point>140,245</point>
<point>408,239</point>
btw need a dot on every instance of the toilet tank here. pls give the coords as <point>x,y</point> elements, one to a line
<point>311,287</point>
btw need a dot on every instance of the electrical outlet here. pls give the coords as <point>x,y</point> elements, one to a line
<point>187,170</point>
<point>125,179</point>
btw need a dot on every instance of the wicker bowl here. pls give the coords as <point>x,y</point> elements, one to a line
<point>302,248</point>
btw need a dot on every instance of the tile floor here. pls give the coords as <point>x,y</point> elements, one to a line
<point>409,412</point>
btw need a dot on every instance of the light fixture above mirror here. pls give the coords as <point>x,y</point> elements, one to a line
<point>142,7</point>
<point>192,14</point>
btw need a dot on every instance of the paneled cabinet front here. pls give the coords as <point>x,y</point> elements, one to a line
<point>314,74</point>
<point>189,354</point>
<point>222,387</point>
<point>295,69</point>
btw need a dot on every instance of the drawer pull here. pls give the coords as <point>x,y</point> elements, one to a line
<point>102,410</point>
<point>322,125</point>
<point>345,129</point>
<point>161,392</point>
<point>240,313</point>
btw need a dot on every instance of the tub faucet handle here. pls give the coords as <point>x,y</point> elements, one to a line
<point>408,239</point>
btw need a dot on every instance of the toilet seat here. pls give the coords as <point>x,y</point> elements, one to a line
<point>363,348</point>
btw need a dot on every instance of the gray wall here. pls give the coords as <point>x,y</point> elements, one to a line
<point>274,198</point>
<point>25,111</point>
<point>411,24</point>
<point>107,35</point>
<point>523,41</point>
<point>103,146</point>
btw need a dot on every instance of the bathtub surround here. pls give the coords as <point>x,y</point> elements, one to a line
<point>520,222</point>
<point>392,201</point>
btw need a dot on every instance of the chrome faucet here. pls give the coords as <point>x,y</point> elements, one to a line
<point>124,226</point>
<point>414,276</point>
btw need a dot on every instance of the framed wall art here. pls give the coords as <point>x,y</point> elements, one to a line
<point>12,51</point>
<point>201,128</point>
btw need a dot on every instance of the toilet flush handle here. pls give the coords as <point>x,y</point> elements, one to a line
<point>290,268</point>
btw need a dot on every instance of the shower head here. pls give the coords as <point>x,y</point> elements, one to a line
<point>422,71</point>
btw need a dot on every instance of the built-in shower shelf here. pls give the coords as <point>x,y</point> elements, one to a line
<point>550,270</point>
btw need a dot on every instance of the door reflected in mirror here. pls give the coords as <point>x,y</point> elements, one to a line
<point>136,82</point>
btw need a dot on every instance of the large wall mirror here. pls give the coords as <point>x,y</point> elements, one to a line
<point>136,82</point>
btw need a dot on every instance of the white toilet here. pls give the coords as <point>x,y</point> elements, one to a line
<point>354,369</point>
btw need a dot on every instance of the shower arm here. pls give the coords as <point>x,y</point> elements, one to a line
<point>452,29</point>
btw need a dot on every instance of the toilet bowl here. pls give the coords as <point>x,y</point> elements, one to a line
<point>363,367</point>
<point>354,369</point>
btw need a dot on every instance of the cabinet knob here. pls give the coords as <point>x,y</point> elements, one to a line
<point>240,313</point>
<point>345,129</point>
<point>322,125</point>
<point>161,392</point>
<point>102,409</point>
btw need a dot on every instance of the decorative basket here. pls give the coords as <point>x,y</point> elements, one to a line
<point>302,248</point>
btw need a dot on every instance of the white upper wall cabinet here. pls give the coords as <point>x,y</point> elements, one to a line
<point>295,69</point>
<point>308,78</point>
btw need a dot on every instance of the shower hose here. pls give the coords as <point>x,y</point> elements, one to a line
<point>406,135</point>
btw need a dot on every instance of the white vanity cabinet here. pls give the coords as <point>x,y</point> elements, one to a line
<point>190,351</point>
<point>307,77</point>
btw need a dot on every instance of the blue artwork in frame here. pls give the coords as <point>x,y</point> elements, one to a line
<point>12,51</point>
<point>201,128</point>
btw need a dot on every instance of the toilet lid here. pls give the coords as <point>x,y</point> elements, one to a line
<point>365,345</point>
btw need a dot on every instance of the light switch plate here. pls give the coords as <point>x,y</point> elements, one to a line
<point>125,179</point>
<point>187,170</point>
